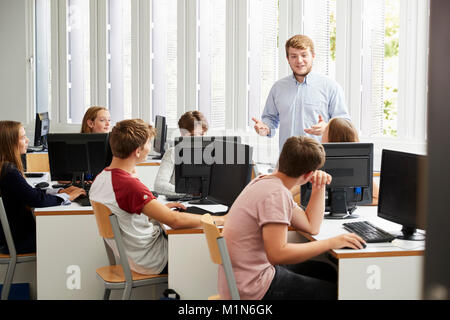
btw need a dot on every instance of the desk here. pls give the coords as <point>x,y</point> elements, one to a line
<point>67,236</point>
<point>381,271</point>
<point>69,250</point>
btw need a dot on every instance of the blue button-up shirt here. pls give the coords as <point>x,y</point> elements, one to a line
<point>296,106</point>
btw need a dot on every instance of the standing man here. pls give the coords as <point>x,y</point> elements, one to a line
<point>304,102</point>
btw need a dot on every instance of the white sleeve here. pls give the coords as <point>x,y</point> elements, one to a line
<point>163,184</point>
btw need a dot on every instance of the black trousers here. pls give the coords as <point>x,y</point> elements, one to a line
<point>310,280</point>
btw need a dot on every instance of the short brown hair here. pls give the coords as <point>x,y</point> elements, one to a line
<point>90,114</point>
<point>342,130</point>
<point>128,135</point>
<point>299,41</point>
<point>301,155</point>
<point>190,118</point>
<point>9,144</point>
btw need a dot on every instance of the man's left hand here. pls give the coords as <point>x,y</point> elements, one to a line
<point>317,129</point>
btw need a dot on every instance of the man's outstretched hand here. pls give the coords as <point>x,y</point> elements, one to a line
<point>317,129</point>
<point>260,127</point>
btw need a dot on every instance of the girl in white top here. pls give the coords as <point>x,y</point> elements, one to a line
<point>192,123</point>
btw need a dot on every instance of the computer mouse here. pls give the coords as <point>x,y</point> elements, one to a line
<point>363,244</point>
<point>179,209</point>
<point>42,185</point>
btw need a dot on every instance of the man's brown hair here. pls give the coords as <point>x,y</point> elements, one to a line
<point>190,119</point>
<point>9,144</point>
<point>342,130</point>
<point>299,41</point>
<point>301,155</point>
<point>128,135</point>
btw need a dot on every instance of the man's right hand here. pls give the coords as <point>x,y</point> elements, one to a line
<point>348,240</point>
<point>73,192</point>
<point>261,128</point>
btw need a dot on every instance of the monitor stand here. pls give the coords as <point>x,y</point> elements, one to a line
<point>410,234</point>
<point>338,206</point>
<point>204,194</point>
<point>78,179</point>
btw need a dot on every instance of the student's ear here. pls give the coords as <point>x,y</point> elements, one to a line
<point>308,176</point>
<point>90,123</point>
<point>137,152</point>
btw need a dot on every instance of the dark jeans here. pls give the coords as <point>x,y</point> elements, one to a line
<point>310,280</point>
<point>26,244</point>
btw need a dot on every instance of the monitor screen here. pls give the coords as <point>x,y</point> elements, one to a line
<point>231,172</point>
<point>351,167</point>
<point>161,134</point>
<point>75,153</point>
<point>399,182</point>
<point>41,129</point>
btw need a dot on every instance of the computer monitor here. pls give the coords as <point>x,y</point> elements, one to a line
<point>230,173</point>
<point>77,156</point>
<point>161,136</point>
<point>399,196</point>
<point>194,157</point>
<point>351,166</point>
<point>41,130</point>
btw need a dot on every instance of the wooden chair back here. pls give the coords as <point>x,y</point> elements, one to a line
<point>102,214</point>
<point>212,233</point>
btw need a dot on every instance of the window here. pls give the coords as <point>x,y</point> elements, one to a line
<point>262,54</point>
<point>211,60</point>
<point>43,56</point>
<point>141,58</point>
<point>78,60</point>
<point>316,25</point>
<point>372,67</point>
<point>119,59</point>
<point>164,59</point>
<point>391,67</point>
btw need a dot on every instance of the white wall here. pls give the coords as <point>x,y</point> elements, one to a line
<point>14,91</point>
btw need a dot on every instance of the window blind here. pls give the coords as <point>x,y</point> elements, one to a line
<point>316,25</point>
<point>372,64</point>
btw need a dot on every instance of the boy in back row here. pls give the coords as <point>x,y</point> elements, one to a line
<point>265,265</point>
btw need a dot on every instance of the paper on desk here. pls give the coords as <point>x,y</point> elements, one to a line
<point>408,245</point>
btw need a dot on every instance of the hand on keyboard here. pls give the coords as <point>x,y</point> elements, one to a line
<point>348,240</point>
<point>73,192</point>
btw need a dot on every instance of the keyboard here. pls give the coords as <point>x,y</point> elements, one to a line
<point>369,232</point>
<point>198,210</point>
<point>31,149</point>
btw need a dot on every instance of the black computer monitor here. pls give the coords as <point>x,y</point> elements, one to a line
<point>231,172</point>
<point>78,156</point>
<point>351,166</point>
<point>194,157</point>
<point>161,136</point>
<point>399,195</point>
<point>41,130</point>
